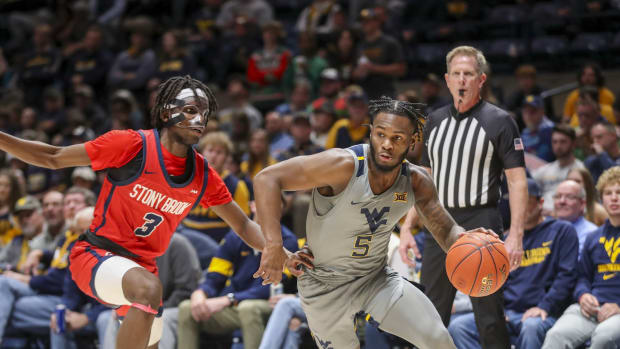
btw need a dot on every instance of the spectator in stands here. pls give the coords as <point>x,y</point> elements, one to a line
<point>431,93</point>
<point>82,312</point>
<point>202,227</point>
<point>329,91</point>
<point>266,67</point>
<point>299,99</point>
<point>343,55</point>
<point>53,117</point>
<point>90,63</point>
<point>179,272</point>
<point>133,67</point>
<point>235,49</point>
<point>28,120</point>
<point>318,17</point>
<point>380,60</point>
<point>10,192</point>
<point>605,145</point>
<point>279,138</point>
<point>54,227</point>
<point>84,177</point>
<point>259,11</point>
<point>569,202</point>
<point>595,212</point>
<point>30,298</point>
<point>352,130</point>
<point>124,112</point>
<point>536,135</point>
<point>8,76</point>
<point>322,120</point>
<point>308,64</point>
<point>40,66</point>
<point>589,113</point>
<point>303,145</point>
<point>283,330</point>
<point>245,306</point>
<point>84,101</point>
<point>258,154</point>
<point>590,74</point>
<point>527,85</point>
<point>591,94</point>
<point>174,58</point>
<point>536,293</point>
<point>550,175</point>
<point>30,220</point>
<point>596,316</point>
<point>238,92</point>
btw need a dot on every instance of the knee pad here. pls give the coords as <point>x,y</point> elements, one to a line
<point>109,279</point>
<point>156,330</point>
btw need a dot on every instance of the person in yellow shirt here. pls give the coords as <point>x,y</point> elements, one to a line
<point>202,226</point>
<point>354,129</point>
<point>10,191</point>
<point>258,154</point>
<point>589,75</point>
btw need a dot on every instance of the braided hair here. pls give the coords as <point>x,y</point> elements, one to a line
<point>169,89</point>
<point>413,111</point>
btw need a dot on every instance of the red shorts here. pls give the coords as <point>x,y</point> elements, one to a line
<point>85,260</point>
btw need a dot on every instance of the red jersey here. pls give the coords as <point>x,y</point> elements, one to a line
<point>139,214</point>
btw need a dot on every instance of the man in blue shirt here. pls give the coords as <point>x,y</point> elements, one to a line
<point>538,291</point>
<point>596,316</point>
<point>606,148</point>
<point>569,202</point>
<point>536,135</point>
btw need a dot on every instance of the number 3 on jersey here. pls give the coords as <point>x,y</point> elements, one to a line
<point>362,246</point>
<point>151,222</point>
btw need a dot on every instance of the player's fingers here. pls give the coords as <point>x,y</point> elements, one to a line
<point>305,262</point>
<point>402,251</point>
<point>415,249</point>
<point>259,273</point>
<point>307,256</point>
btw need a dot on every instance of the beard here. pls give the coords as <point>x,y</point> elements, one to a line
<point>385,168</point>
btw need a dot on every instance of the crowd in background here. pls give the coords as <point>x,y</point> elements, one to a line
<point>293,78</point>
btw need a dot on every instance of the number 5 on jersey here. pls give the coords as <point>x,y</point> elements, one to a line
<point>151,222</point>
<point>362,246</point>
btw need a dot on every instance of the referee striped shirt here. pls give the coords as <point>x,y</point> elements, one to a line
<point>468,153</point>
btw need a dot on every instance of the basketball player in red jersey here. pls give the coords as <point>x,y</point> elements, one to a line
<point>154,178</point>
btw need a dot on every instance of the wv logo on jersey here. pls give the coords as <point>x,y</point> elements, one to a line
<point>375,218</point>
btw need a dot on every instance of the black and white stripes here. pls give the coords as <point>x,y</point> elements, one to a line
<point>460,153</point>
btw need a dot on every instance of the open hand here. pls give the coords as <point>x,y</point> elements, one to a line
<point>534,312</point>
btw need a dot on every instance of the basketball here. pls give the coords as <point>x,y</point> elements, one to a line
<point>477,264</point>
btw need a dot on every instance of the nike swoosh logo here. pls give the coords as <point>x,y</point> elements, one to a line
<point>357,203</point>
<point>148,172</point>
<point>608,276</point>
<point>546,243</point>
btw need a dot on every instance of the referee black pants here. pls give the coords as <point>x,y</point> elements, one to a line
<point>489,310</point>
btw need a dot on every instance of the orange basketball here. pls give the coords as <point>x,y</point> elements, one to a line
<point>477,264</point>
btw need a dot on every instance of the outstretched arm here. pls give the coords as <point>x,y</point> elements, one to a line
<point>330,170</point>
<point>434,216</point>
<point>44,155</point>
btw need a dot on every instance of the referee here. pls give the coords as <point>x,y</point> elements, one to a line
<point>468,146</point>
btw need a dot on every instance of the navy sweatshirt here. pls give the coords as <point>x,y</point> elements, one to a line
<point>547,275</point>
<point>75,300</point>
<point>237,261</point>
<point>52,281</point>
<point>599,266</point>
